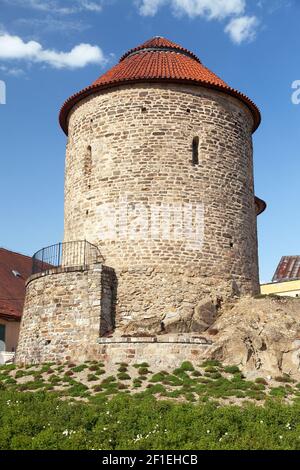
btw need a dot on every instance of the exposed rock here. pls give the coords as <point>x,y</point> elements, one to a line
<point>187,319</point>
<point>261,335</point>
<point>147,327</point>
<point>197,320</point>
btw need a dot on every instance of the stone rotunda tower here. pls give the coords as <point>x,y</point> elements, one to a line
<point>159,186</point>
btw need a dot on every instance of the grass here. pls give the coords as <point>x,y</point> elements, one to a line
<point>130,422</point>
<point>215,393</point>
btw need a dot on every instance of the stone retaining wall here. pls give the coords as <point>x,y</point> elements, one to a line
<point>65,312</point>
<point>164,351</point>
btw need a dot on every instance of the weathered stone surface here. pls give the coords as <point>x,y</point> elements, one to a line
<point>123,163</point>
<point>65,313</point>
<point>261,335</point>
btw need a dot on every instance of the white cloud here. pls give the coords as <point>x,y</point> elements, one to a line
<point>211,9</point>
<point>66,7</point>
<point>150,7</point>
<point>48,24</point>
<point>14,71</point>
<point>242,29</point>
<point>14,48</point>
<point>91,6</point>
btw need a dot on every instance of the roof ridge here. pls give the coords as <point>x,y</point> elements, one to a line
<point>14,252</point>
<point>159,43</point>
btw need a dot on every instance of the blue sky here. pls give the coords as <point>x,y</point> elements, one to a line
<point>51,49</point>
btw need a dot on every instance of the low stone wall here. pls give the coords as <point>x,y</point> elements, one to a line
<point>162,352</point>
<point>65,311</point>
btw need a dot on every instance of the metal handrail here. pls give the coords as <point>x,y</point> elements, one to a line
<point>66,254</point>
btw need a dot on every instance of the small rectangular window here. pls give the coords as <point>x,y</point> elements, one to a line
<point>196,151</point>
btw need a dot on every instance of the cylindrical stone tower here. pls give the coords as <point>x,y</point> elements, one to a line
<point>159,175</point>
<point>160,215</point>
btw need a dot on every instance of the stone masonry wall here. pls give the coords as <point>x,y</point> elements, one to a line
<point>63,314</point>
<point>173,231</point>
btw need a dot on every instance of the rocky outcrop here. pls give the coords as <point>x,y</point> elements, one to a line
<point>261,335</point>
<point>186,320</point>
<point>197,320</point>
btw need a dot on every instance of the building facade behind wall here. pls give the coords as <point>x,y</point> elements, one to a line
<point>14,270</point>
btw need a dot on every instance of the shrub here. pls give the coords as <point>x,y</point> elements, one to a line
<point>143,364</point>
<point>196,373</point>
<point>210,369</point>
<point>69,373</point>
<point>143,371</point>
<point>284,378</point>
<point>187,366</point>
<point>211,362</point>
<point>121,386</point>
<point>92,377</point>
<point>214,375</point>
<point>261,380</point>
<point>79,368</point>
<point>137,383</point>
<point>77,390</point>
<point>231,369</point>
<point>159,377</point>
<point>278,392</point>
<point>123,376</point>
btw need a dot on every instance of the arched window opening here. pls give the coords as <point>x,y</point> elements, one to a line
<point>196,151</point>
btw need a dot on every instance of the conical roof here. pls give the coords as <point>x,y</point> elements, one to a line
<point>158,60</point>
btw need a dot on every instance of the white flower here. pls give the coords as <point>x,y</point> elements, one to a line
<point>280,437</point>
<point>261,421</point>
<point>208,431</point>
<point>65,432</point>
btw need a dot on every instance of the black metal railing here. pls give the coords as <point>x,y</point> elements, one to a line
<point>68,254</point>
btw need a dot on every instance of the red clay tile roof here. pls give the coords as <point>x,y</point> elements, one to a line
<point>160,43</point>
<point>260,205</point>
<point>288,269</point>
<point>157,60</point>
<point>12,288</point>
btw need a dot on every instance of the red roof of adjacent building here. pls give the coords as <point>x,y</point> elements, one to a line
<point>157,60</point>
<point>288,269</point>
<point>14,270</point>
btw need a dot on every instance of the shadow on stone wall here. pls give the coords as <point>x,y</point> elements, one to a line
<point>109,283</point>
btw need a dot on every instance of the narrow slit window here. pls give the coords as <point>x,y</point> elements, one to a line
<point>196,151</point>
<point>88,161</point>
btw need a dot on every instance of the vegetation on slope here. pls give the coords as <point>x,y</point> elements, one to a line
<point>68,406</point>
